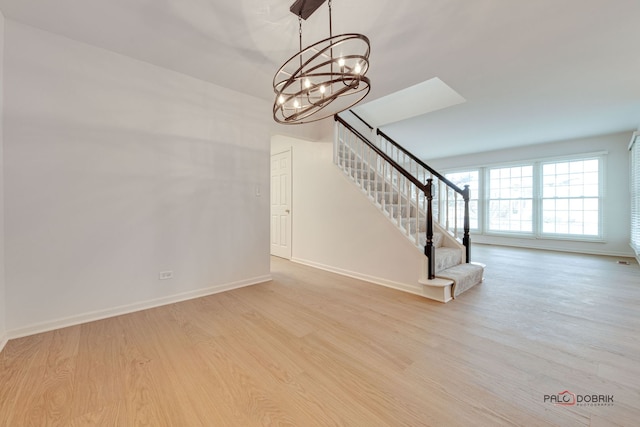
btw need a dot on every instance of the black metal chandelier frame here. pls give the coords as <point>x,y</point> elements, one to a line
<point>324,78</point>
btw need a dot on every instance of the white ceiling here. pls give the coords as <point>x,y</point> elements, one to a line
<point>417,100</point>
<point>531,71</point>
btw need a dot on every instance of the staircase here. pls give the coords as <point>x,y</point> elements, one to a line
<point>426,208</point>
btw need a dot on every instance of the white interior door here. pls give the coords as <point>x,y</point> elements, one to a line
<point>281,204</point>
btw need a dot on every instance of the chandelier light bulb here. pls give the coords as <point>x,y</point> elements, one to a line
<point>358,68</point>
<point>322,89</point>
<point>281,100</point>
<point>341,62</point>
<point>307,83</point>
<point>296,104</point>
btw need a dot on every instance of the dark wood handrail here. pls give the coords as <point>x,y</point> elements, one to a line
<point>382,154</point>
<point>412,156</point>
<point>426,188</point>
<point>361,119</point>
<point>421,163</point>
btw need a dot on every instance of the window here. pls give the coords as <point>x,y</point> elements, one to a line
<point>470,178</point>
<point>559,198</point>
<point>635,194</point>
<point>511,199</point>
<point>570,198</point>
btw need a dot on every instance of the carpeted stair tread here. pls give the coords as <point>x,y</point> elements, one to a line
<point>464,276</point>
<point>437,240</point>
<point>447,258</point>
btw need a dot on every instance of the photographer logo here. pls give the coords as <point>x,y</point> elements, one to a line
<point>567,398</point>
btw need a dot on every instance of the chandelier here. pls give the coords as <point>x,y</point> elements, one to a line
<point>324,78</point>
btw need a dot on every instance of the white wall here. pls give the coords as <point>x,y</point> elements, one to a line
<point>116,170</point>
<point>321,130</point>
<point>335,226</point>
<point>616,205</point>
<point>2,282</point>
<point>637,132</point>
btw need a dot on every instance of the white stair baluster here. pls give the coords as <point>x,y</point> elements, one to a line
<point>417,200</point>
<point>374,180</point>
<point>371,176</point>
<point>407,199</point>
<point>384,184</point>
<point>455,213</point>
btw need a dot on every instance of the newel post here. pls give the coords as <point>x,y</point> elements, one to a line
<point>429,250</point>
<point>466,241</point>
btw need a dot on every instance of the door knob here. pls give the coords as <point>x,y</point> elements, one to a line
<point>287,211</point>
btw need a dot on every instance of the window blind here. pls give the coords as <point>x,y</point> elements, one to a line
<point>635,193</point>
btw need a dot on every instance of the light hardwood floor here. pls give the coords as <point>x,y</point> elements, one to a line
<point>312,348</point>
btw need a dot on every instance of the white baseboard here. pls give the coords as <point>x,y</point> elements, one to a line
<point>541,246</point>
<point>129,308</point>
<point>413,289</point>
<point>3,342</point>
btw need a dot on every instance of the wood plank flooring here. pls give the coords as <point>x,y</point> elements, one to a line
<point>312,348</point>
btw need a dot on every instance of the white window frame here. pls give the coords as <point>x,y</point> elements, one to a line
<point>537,225</point>
<point>476,195</point>
<point>567,236</point>
<point>634,181</point>
<point>488,199</point>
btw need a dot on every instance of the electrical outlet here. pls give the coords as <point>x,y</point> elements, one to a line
<point>164,275</point>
